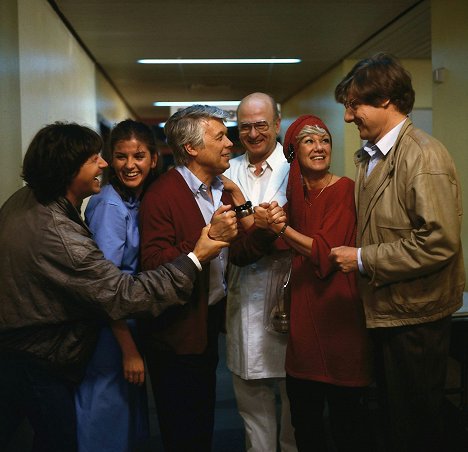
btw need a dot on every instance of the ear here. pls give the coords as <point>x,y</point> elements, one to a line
<point>386,103</point>
<point>154,160</point>
<point>190,150</point>
<point>277,124</point>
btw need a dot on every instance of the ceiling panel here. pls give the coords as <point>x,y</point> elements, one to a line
<point>321,33</point>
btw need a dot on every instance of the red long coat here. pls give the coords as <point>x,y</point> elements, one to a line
<point>328,340</point>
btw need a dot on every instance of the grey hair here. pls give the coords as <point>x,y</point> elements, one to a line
<point>310,130</point>
<point>187,127</point>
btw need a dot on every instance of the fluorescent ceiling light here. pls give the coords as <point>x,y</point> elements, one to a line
<point>197,102</point>
<point>220,61</point>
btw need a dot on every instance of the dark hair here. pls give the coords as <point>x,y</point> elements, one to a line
<point>374,80</point>
<point>123,131</point>
<point>55,156</point>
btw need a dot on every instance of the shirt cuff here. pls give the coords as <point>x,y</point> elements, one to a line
<point>359,262</point>
<point>195,260</point>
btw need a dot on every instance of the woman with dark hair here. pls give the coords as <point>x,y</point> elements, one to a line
<point>111,401</point>
<point>327,357</point>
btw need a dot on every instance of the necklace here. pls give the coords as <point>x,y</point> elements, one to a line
<point>321,191</point>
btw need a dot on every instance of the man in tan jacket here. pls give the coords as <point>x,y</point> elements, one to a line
<point>408,256</point>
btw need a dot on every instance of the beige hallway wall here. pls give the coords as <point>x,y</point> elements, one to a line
<point>10,115</point>
<point>46,77</point>
<point>450,98</point>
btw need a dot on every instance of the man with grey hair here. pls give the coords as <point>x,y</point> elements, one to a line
<point>254,355</point>
<point>181,349</point>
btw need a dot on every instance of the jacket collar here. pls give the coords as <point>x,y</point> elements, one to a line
<point>389,162</point>
<point>68,209</point>
<point>361,156</point>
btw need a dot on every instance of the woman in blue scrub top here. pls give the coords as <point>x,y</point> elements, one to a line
<point>111,404</point>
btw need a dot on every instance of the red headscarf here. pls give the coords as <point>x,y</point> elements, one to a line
<point>295,189</point>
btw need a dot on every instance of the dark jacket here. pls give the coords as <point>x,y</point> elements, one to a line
<point>56,284</point>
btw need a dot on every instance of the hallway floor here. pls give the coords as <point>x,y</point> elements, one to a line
<point>229,430</point>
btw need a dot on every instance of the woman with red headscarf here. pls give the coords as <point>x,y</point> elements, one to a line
<point>327,358</point>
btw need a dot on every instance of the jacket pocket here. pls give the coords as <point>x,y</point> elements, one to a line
<point>424,295</point>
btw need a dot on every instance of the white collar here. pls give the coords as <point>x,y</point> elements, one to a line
<point>387,141</point>
<point>275,160</point>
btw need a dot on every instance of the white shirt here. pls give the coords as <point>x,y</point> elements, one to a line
<point>258,184</point>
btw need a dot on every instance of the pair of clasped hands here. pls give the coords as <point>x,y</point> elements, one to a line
<point>223,227</point>
<point>224,222</point>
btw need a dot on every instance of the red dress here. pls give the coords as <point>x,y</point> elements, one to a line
<point>328,339</point>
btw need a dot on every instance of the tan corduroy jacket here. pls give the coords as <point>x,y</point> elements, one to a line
<point>409,220</point>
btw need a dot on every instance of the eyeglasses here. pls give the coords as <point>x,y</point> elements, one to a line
<point>352,104</point>
<point>259,126</point>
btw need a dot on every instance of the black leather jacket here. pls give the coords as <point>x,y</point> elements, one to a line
<point>56,286</point>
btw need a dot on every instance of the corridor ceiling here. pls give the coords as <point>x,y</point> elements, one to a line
<point>116,33</point>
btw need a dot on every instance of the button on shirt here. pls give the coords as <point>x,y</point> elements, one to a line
<point>207,208</point>
<point>257,184</point>
<point>376,153</point>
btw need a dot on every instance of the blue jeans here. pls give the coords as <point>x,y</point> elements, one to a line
<point>29,389</point>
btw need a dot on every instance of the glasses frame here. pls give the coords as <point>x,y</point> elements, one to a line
<point>352,104</point>
<point>255,125</point>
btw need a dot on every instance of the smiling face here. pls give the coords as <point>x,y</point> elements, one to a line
<point>259,144</point>
<point>372,122</point>
<point>212,158</point>
<point>87,181</point>
<point>132,163</point>
<point>314,154</point>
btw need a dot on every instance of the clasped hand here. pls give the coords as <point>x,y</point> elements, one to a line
<point>223,224</point>
<point>270,216</point>
<point>345,258</point>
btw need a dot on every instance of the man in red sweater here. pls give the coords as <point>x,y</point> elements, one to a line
<point>181,348</point>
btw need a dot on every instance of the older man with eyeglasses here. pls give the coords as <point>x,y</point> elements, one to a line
<point>254,355</point>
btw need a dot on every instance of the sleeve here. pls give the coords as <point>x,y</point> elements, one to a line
<point>108,223</point>
<point>97,281</point>
<point>251,245</point>
<point>159,238</point>
<point>431,238</point>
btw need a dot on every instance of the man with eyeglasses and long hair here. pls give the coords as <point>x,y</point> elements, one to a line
<point>254,355</point>
<point>408,258</point>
